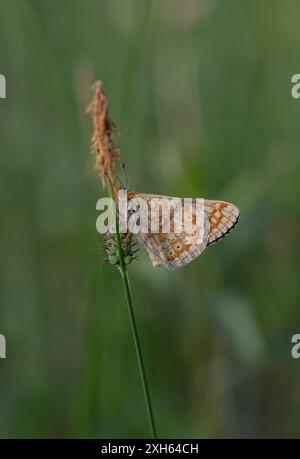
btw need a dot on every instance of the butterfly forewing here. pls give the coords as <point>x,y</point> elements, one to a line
<point>223,216</point>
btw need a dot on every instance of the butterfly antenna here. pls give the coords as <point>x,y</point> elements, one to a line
<point>115,181</point>
<point>125,175</point>
<point>117,178</point>
<point>119,181</point>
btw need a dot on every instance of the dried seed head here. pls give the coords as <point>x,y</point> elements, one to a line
<point>102,143</point>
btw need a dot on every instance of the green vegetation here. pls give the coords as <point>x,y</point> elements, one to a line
<point>201,95</point>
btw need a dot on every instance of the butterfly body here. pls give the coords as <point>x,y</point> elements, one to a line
<point>176,249</point>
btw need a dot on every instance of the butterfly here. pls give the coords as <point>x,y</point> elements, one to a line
<point>174,250</point>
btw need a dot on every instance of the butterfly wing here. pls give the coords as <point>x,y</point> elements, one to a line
<point>223,216</point>
<point>174,250</point>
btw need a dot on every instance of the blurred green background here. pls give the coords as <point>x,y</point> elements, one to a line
<point>200,91</point>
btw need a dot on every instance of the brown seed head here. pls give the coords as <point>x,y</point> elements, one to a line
<point>102,143</point>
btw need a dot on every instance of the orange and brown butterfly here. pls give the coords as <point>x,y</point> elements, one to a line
<point>173,250</point>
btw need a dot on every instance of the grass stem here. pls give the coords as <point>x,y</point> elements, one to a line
<point>137,344</point>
